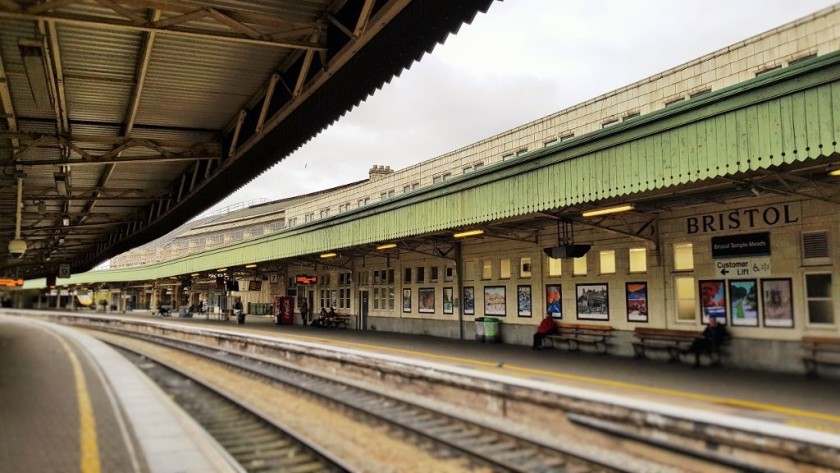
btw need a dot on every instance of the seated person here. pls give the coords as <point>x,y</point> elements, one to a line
<point>547,327</point>
<point>710,342</point>
<point>321,321</point>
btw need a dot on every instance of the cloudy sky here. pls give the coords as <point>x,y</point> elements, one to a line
<point>521,61</point>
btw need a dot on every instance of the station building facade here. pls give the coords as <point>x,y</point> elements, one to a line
<point>724,165</point>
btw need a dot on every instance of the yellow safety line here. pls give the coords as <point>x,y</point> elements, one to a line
<point>742,403</point>
<point>87,423</point>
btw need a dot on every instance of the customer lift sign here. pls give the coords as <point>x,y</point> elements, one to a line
<point>742,256</point>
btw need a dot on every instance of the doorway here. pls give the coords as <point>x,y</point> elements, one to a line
<point>363,310</point>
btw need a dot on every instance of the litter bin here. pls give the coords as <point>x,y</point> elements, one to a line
<point>479,329</point>
<point>491,330</point>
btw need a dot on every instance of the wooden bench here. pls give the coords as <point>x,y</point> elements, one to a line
<point>819,351</point>
<point>577,334</point>
<point>338,321</point>
<point>672,341</point>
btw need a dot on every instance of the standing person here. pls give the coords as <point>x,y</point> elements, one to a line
<point>710,342</point>
<point>547,327</point>
<point>304,311</point>
<point>237,311</point>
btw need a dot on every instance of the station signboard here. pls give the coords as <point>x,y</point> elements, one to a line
<point>740,246</point>
<point>306,279</point>
<point>737,268</point>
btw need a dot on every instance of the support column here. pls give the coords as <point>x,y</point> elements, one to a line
<point>459,269</point>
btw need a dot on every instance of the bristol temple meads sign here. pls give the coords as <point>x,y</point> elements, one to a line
<point>741,256</point>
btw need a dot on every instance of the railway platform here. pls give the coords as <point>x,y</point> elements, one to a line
<point>788,399</point>
<point>42,430</point>
<point>70,403</point>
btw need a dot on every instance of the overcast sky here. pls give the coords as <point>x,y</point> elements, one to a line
<point>523,60</point>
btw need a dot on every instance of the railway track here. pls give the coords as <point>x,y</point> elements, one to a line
<point>485,449</point>
<point>442,434</point>
<point>254,442</point>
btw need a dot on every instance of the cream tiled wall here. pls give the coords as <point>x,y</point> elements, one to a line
<point>816,34</point>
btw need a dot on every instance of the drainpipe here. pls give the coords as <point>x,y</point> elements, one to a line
<point>459,265</point>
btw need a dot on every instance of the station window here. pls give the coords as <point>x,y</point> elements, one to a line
<point>449,274</point>
<point>549,142</point>
<point>406,189</point>
<point>684,288</point>
<point>524,267</point>
<point>683,256</point>
<point>567,136</point>
<point>555,267</point>
<point>478,166</point>
<point>421,274</point>
<point>818,296</point>
<point>469,270</point>
<point>504,269</point>
<point>433,274</point>
<point>579,267</point>
<point>407,276</point>
<point>507,156</point>
<point>607,262</point>
<point>486,269</point>
<point>638,260</point>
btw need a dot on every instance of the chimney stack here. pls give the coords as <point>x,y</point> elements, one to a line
<point>378,172</point>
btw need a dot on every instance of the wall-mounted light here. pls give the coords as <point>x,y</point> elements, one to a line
<point>608,210</point>
<point>329,255</point>
<point>65,221</point>
<point>386,246</point>
<point>250,266</point>
<point>468,233</point>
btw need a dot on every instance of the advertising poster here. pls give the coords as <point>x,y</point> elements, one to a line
<point>636,295</point>
<point>447,300</point>
<point>713,300</point>
<point>523,301</point>
<point>777,302</point>
<point>494,300</point>
<point>554,301</point>
<point>743,302</point>
<point>469,300</point>
<point>426,300</point>
<point>593,302</point>
<point>406,300</point>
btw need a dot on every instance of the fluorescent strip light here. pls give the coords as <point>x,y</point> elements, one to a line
<point>250,266</point>
<point>468,233</point>
<point>834,172</point>
<point>386,246</point>
<point>329,255</point>
<point>221,270</point>
<point>194,274</point>
<point>608,210</point>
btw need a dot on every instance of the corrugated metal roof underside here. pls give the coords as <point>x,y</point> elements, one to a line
<point>787,117</point>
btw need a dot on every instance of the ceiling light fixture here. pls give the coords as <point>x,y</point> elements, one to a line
<point>329,255</point>
<point>608,210</point>
<point>250,266</point>
<point>468,233</point>
<point>834,172</point>
<point>386,246</point>
<point>194,274</point>
<point>221,270</point>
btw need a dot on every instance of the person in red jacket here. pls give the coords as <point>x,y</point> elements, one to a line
<point>547,327</point>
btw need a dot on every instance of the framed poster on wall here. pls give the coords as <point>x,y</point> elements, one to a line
<point>523,301</point>
<point>743,302</point>
<point>447,300</point>
<point>426,300</point>
<point>635,294</point>
<point>592,301</point>
<point>713,300</point>
<point>777,302</point>
<point>554,300</point>
<point>469,300</point>
<point>406,300</point>
<point>494,300</point>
